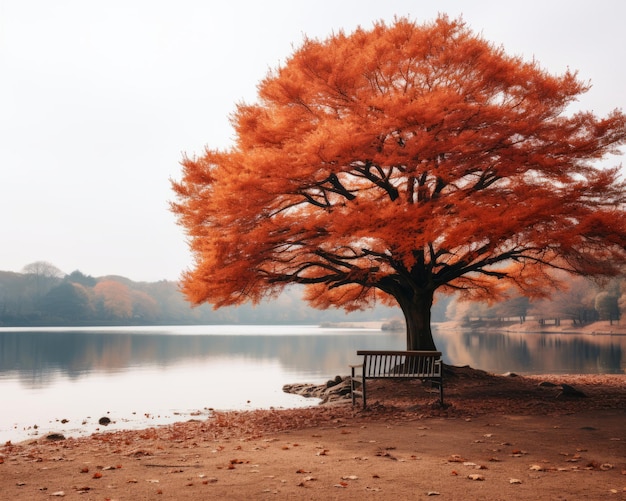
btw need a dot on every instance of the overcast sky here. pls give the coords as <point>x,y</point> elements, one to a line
<point>100,99</point>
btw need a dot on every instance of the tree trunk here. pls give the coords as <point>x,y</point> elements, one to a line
<point>416,309</point>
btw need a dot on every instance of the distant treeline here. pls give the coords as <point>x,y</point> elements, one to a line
<point>581,301</point>
<point>41,295</point>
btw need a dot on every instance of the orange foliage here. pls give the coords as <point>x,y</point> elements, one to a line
<point>115,297</point>
<point>402,160</point>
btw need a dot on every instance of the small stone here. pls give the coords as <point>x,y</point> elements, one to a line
<point>55,436</point>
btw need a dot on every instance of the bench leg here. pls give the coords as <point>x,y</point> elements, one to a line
<point>441,391</point>
<point>364,393</point>
<point>352,386</point>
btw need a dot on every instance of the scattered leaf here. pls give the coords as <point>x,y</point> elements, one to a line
<point>97,475</point>
<point>350,477</point>
<point>476,477</point>
<point>515,481</point>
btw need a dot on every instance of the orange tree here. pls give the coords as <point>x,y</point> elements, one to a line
<point>394,162</point>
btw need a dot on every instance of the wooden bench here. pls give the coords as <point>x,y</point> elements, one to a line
<point>424,365</point>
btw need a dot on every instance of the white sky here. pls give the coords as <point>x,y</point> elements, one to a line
<point>100,99</point>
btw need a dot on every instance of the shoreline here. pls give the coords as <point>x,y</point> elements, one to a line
<point>500,437</point>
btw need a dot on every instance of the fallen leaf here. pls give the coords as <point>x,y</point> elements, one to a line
<point>350,477</point>
<point>515,481</point>
<point>432,493</point>
<point>59,494</point>
<point>536,467</point>
<point>97,475</point>
<point>476,476</point>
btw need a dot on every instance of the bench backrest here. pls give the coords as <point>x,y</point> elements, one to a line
<point>401,363</point>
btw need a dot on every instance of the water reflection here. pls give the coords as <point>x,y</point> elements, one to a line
<point>35,355</point>
<point>304,352</point>
<point>535,353</point>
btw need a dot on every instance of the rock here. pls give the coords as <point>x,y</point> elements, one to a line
<point>55,436</point>
<point>547,384</point>
<point>333,390</point>
<point>570,391</point>
<point>104,421</point>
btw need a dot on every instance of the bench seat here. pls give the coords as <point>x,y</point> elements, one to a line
<point>423,365</point>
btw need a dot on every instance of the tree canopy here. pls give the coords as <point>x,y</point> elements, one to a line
<point>394,162</point>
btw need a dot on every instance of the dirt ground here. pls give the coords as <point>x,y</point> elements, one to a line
<point>499,438</point>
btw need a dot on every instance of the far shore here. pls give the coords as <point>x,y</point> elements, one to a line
<point>601,327</point>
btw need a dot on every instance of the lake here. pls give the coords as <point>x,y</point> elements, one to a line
<point>65,379</point>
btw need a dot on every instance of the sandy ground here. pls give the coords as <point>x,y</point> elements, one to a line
<point>500,438</point>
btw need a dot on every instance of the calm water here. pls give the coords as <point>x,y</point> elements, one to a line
<point>139,376</point>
